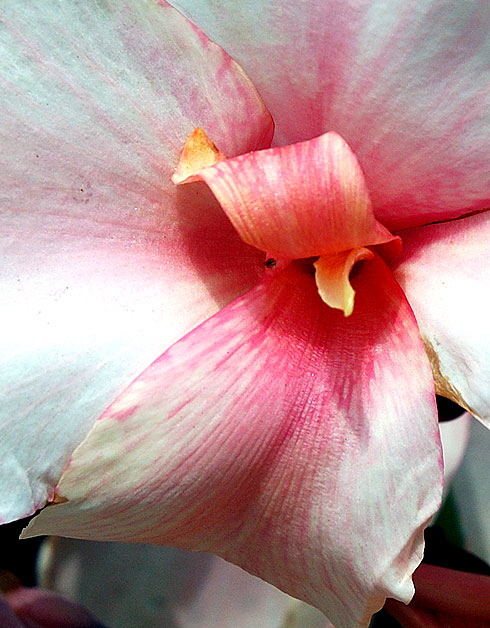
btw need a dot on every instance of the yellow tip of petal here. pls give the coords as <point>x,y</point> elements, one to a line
<point>199,152</point>
<point>348,306</point>
<point>332,278</point>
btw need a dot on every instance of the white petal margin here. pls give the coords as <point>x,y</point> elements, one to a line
<point>104,263</point>
<point>404,83</point>
<point>445,273</point>
<point>296,443</point>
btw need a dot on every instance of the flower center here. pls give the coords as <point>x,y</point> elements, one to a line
<point>304,200</point>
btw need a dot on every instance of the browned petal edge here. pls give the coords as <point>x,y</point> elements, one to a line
<point>198,152</point>
<point>444,388</point>
<point>57,499</point>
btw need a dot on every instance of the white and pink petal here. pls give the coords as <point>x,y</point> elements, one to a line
<point>104,262</point>
<point>445,274</point>
<point>296,201</point>
<point>405,83</point>
<point>290,440</point>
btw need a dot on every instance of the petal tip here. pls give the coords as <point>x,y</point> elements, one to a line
<point>199,152</point>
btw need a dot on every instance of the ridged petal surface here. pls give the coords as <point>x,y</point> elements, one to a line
<point>104,262</point>
<point>406,83</point>
<point>445,274</point>
<point>299,444</point>
<point>299,200</point>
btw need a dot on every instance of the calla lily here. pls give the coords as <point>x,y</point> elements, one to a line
<point>281,416</point>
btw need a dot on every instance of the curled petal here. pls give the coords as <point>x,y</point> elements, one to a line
<point>445,598</point>
<point>104,262</point>
<point>406,84</point>
<point>277,434</point>
<point>332,278</point>
<point>298,201</point>
<point>445,274</point>
<point>198,152</point>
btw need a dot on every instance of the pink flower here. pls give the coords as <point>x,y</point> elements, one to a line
<point>261,424</point>
<point>22,607</point>
<point>445,598</point>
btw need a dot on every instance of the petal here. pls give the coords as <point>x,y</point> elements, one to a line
<point>332,278</point>
<point>461,593</point>
<point>406,84</point>
<point>297,201</point>
<point>104,262</point>
<point>445,274</point>
<point>413,616</point>
<point>198,152</point>
<point>290,440</point>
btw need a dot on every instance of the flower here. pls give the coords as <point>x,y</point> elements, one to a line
<point>406,88</point>
<point>445,597</point>
<point>272,430</point>
<point>22,607</point>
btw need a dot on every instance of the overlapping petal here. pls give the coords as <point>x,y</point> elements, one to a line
<point>297,201</point>
<point>96,100</point>
<point>405,83</point>
<point>445,274</point>
<point>271,435</point>
<point>332,276</point>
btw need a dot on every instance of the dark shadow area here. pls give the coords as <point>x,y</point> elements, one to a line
<point>16,556</point>
<point>447,409</point>
<point>441,553</point>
